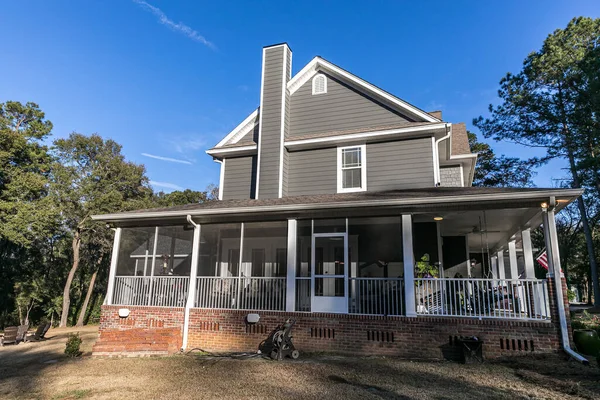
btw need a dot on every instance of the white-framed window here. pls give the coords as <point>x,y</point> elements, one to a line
<point>352,169</point>
<point>319,84</point>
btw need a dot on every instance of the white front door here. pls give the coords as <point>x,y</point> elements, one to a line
<point>329,271</point>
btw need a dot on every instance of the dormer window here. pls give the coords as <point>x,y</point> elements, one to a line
<point>352,169</point>
<point>319,84</point>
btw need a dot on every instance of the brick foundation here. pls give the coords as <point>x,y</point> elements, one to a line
<point>150,329</point>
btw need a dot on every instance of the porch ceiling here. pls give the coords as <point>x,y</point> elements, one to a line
<point>486,229</point>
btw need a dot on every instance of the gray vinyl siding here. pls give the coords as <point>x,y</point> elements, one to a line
<point>286,127</point>
<point>405,164</point>
<point>340,108</point>
<point>313,172</point>
<point>239,179</point>
<point>270,130</point>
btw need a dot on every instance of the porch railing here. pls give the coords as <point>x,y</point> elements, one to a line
<point>241,293</point>
<point>376,296</point>
<point>158,291</point>
<point>483,298</point>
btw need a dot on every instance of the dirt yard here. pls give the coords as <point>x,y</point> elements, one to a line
<point>40,371</point>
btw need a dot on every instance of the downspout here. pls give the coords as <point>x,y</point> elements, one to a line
<point>436,156</point>
<point>555,259</point>
<point>192,286</point>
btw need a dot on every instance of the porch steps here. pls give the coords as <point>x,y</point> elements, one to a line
<point>138,342</point>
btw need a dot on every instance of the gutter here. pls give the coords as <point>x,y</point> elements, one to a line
<point>343,204</point>
<point>436,171</point>
<point>564,330</point>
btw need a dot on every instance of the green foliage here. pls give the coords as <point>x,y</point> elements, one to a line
<point>73,345</point>
<point>553,104</point>
<point>502,171</point>
<point>424,269</point>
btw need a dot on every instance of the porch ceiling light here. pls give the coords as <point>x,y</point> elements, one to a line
<point>438,218</point>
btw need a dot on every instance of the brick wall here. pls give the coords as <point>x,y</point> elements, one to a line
<point>420,337</point>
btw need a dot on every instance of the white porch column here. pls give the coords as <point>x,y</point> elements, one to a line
<point>528,253</point>
<point>191,298</point>
<point>501,270</point>
<point>409,266</point>
<point>290,293</point>
<point>153,266</point>
<point>113,267</point>
<point>512,256</point>
<point>494,262</point>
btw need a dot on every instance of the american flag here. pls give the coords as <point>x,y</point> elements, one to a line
<point>543,260</point>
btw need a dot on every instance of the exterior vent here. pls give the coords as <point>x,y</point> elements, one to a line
<point>516,345</point>
<point>257,329</point>
<point>209,326</point>
<point>380,336</point>
<point>319,84</point>
<point>322,333</point>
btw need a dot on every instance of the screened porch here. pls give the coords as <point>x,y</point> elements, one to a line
<point>475,264</point>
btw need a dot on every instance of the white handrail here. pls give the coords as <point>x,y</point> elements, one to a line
<point>524,299</point>
<point>241,293</point>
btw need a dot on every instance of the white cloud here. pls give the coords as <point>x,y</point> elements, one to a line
<point>175,26</point>
<point>175,160</point>
<point>166,185</point>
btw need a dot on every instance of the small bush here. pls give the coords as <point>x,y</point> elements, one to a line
<point>73,343</point>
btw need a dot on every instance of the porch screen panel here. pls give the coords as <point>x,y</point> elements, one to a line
<point>303,267</point>
<point>376,265</point>
<point>134,263</point>
<point>217,285</point>
<point>263,281</point>
<point>219,250</point>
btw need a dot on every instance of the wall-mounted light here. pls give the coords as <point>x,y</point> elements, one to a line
<point>544,205</point>
<point>438,218</point>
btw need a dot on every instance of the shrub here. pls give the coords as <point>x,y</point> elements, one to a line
<point>73,343</point>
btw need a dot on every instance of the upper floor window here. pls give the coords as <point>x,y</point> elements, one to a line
<point>319,84</point>
<point>352,169</point>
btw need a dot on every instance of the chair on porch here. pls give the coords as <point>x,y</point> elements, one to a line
<point>10,335</point>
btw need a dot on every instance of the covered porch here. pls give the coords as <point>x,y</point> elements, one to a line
<point>450,252</point>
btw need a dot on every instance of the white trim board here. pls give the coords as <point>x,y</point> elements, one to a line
<point>239,149</point>
<point>319,63</point>
<point>363,135</point>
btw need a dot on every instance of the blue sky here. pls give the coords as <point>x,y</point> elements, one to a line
<point>169,79</point>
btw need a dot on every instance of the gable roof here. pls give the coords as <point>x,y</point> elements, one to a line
<point>312,68</point>
<point>320,64</point>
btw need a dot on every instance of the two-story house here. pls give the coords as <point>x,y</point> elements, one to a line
<point>350,210</point>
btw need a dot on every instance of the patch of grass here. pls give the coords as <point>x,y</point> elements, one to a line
<point>73,394</point>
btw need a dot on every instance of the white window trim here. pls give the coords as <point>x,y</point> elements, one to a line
<point>314,92</point>
<point>363,169</point>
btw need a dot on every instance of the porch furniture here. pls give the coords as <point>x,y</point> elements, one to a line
<point>22,333</point>
<point>10,335</point>
<point>40,332</point>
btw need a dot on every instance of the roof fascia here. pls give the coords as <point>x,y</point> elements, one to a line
<point>238,151</point>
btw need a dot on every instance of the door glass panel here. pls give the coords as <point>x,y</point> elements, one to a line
<point>318,259</point>
<point>331,287</point>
